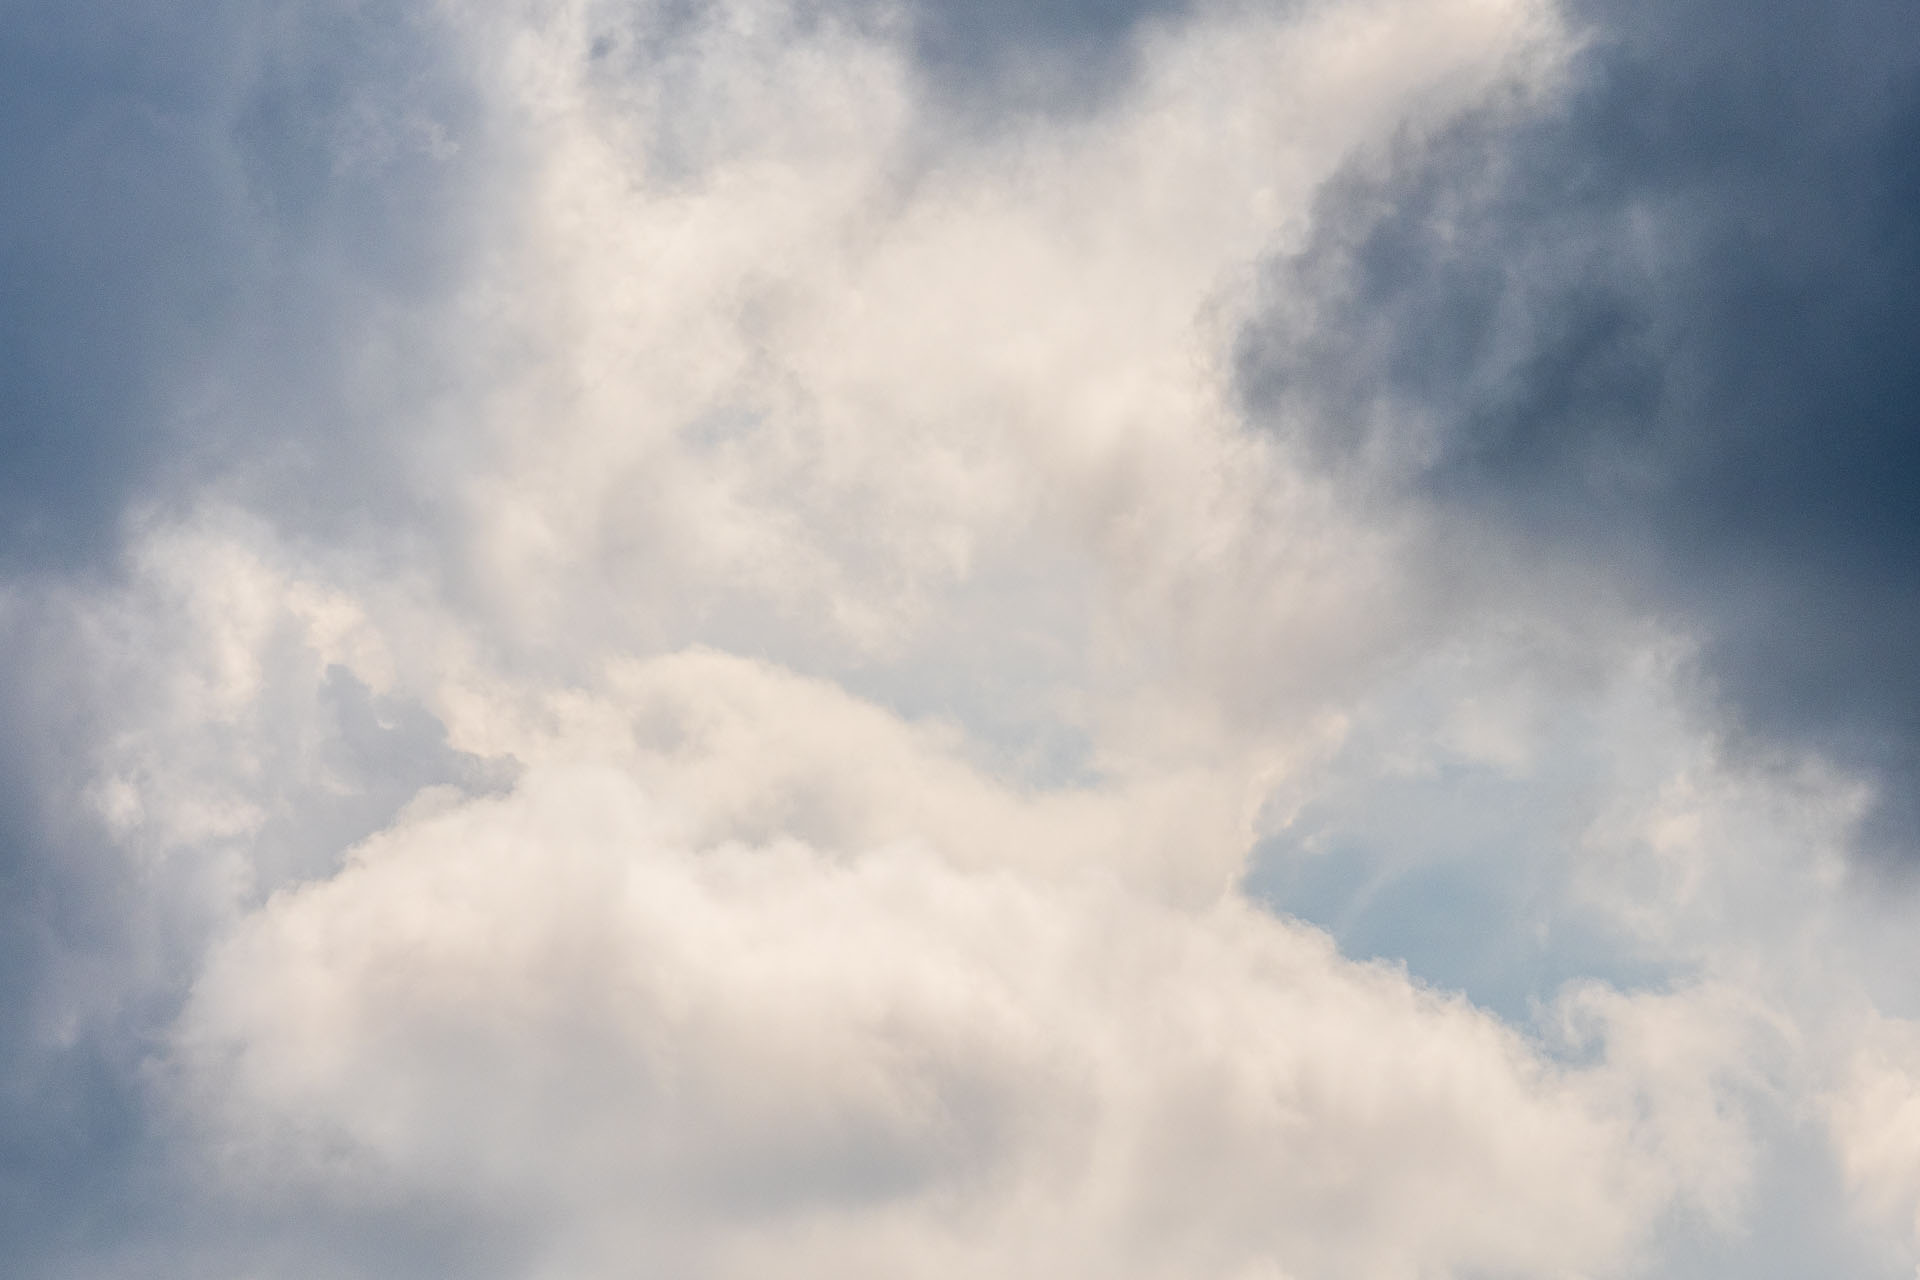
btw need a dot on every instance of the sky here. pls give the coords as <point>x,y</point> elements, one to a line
<point>1128,639</point>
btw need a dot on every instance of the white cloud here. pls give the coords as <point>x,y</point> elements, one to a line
<point>803,465</point>
<point>836,380</point>
<point>872,1061</point>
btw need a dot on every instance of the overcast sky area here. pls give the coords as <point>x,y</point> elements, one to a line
<point>1109,639</point>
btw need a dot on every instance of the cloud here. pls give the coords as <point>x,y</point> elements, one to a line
<point>197,201</point>
<point>692,1057</point>
<point>687,659</point>
<point>181,746</point>
<point>1062,56</point>
<point>1663,325</point>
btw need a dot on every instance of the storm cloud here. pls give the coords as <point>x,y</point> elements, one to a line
<point>1668,323</point>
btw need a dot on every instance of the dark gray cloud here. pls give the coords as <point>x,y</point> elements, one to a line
<point>85,953</point>
<point>194,196</point>
<point>983,62</point>
<point>1673,323</point>
<point>197,205</point>
<point>1030,54</point>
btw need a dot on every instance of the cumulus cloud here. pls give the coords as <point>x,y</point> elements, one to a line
<point>759,637</point>
<point>740,1058</point>
<point>1663,325</point>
